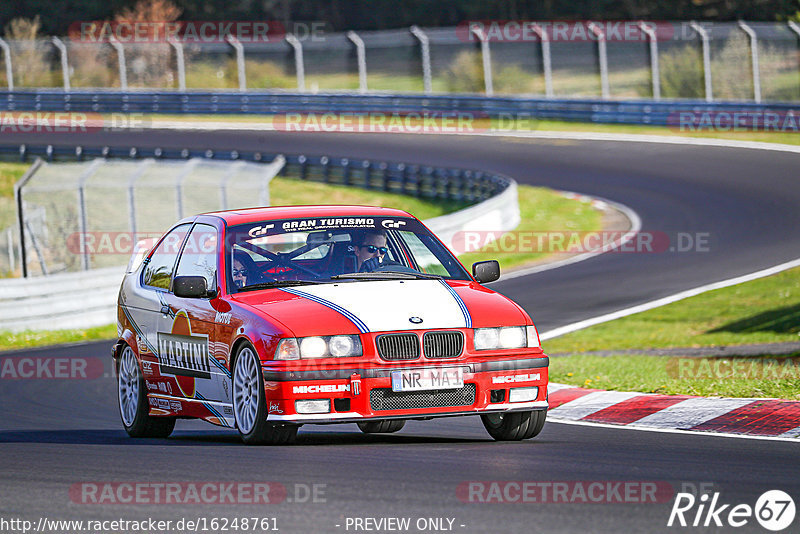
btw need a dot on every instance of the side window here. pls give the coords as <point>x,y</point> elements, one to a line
<point>158,271</point>
<point>199,256</point>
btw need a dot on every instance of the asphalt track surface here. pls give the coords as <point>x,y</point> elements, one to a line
<point>58,433</point>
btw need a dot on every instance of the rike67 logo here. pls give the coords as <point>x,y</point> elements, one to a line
<point>774,510</point>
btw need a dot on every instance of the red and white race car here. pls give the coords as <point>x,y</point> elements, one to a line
<point>266,319</point>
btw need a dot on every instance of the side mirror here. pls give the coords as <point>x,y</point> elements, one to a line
<point>486,271</point>
<point>190,287</point>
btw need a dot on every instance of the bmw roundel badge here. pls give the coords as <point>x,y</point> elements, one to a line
<point>415,320</point>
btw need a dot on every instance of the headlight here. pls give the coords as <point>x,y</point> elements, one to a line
<point>533,336</point>
<point>508,337</point>
<point>314,347</point>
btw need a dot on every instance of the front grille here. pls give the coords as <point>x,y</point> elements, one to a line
<point>398,346</point>
<point>382,399</point>
<point>442,344</point>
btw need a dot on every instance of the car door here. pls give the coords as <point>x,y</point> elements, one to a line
<point>147,311</point>
<point>189,339</point>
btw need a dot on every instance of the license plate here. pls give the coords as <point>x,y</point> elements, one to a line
<point>423,379</point>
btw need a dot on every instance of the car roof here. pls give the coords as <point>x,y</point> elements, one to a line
<point>243,216</point>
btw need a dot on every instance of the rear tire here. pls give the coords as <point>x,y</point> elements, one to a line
<point>133,405</point>
<point>381,427</point>
<point>250,405</point>
<point>514,426</point>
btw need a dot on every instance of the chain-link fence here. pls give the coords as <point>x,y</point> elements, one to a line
<point>88,215</point>
<point>614,60</point>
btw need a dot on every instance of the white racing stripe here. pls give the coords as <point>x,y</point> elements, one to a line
<point>385,305</point>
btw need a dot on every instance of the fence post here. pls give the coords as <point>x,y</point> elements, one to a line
<point>425,51</point>
<point>181,65</point>
<point>299,64</point>
<point>62,49</point>
<point>544,39</point>
<point>706,59</point>
<point>361,56</point>
<point>9,70</point>
<point>655,73</point>
<point>754,60</point>
<point>82,217</point>
<point>486,57</point>
<point>602,58</point>
<point>234,42</point>
<point>123,71</point>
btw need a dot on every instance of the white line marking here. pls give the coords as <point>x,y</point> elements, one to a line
<point>635,223</point>
<point>560,331</point>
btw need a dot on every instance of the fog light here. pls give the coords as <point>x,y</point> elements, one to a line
<point>523,394</point>
<point>313,406</point>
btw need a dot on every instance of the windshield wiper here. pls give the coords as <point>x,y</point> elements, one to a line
<point>385,275</point>
<point>278,283</point>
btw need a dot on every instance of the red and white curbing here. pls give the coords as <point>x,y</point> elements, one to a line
<point>766,418</point>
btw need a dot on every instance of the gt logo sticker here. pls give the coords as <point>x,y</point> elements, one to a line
<point>389,223</point>
<point>260,230</point>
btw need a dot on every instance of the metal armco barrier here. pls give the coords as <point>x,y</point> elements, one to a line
<point>654,112</point>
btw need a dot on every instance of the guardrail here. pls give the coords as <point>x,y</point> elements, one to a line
<point>81,300</point>
<point>655,112</point>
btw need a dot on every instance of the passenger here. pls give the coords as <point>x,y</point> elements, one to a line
<point>244,268</point>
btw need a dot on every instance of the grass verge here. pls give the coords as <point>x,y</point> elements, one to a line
<point>766,376</point>
<point>762,311</point>
<point>766,310</point>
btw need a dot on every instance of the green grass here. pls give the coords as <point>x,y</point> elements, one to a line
<point>9,174</point>
<point>762,311</point>
<point>658,374</point>
<point>293,192</point>
<point>27,339</point>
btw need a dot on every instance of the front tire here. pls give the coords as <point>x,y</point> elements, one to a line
<point>514,426</point>
<point>381,427</point>
<point>250,406</point>
<point>133,406</point>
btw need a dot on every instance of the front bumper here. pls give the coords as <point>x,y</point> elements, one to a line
<point>354,392</point>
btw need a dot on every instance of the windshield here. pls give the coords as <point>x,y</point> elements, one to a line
<point>274,253</point>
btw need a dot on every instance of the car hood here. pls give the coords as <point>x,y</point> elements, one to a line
<point>384,305</point>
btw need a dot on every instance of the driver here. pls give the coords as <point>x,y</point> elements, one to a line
<point>371,251</point>
<point>243,268</point>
